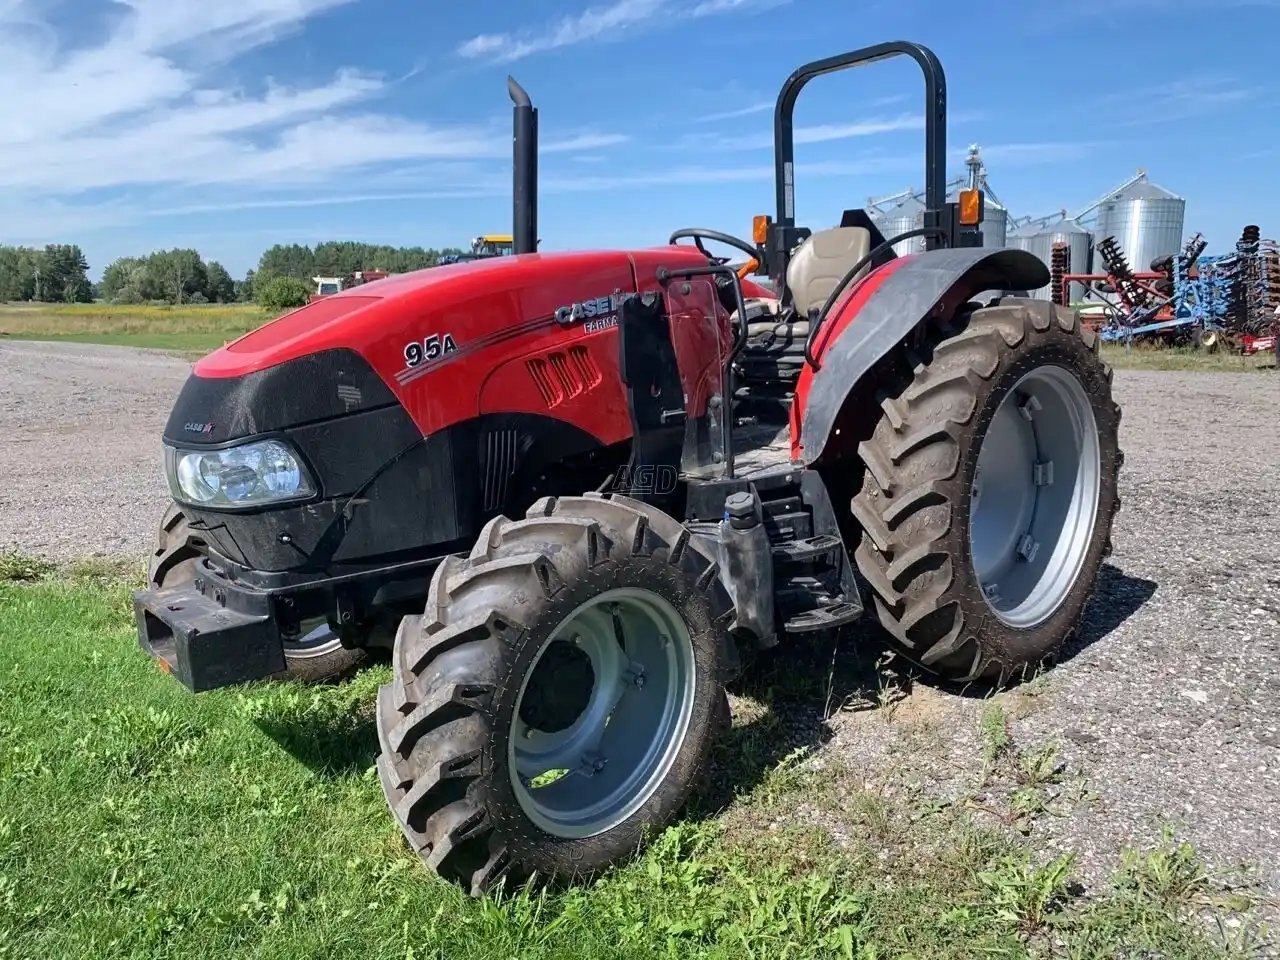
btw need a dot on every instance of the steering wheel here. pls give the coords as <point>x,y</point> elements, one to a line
<point>698,234</point>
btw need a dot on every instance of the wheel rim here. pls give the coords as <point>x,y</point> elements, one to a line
<point>1035,496</point>
<point>318,641</point>
<point>602,713</point>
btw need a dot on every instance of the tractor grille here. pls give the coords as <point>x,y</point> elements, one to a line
<point>500,454</point>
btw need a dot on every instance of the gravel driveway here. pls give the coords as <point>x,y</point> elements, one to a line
<point>1167,707</point>
<point>81,466</point>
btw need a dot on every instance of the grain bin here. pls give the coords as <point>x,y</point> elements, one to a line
<point>1146,221</point>
<point>1038,239</point>
<point>906,215</point>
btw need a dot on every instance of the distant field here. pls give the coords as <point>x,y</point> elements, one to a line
<point>187,329</point>
<point>198,329</point>
<point>1184,358</point>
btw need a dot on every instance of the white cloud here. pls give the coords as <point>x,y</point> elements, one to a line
<point>605,22</point>
<point>826,132</point>
<point>482,186</point>
<point>141,110</point>
<point>1182,99</point>
<point>818,133</point>
<point>484,45</point>
<point>760,106</point>
<point>591,23</point>
<point>1038,152</point>
<point>709,7</point>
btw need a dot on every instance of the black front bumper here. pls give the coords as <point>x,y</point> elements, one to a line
<point>206,642</point>
<point>228,626</point>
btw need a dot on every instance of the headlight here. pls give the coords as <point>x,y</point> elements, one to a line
<point>248,475</point>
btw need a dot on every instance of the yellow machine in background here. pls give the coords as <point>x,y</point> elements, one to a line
<point>493,245</point>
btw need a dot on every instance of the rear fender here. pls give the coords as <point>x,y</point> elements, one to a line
<point>887,305</point>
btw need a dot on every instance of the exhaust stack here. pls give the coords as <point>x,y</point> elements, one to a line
<point>524,195</point>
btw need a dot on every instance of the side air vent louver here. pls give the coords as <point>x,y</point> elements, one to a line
<point>560,364</point>
<point>563,376</point>
<point>499,466</point>
<point>551,393</point>
<point>585,367</point>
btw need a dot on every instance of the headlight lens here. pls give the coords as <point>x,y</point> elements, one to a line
<point>255,473</point>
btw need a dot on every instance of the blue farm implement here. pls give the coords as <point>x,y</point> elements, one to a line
<point>1188,298</point>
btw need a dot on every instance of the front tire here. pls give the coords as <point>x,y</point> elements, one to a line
<point>315,657</point>
<point>989,491</point>
<point>559,697</point>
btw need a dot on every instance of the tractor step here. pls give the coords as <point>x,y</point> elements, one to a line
<point>781,505</point>
<point>826,617</point>
<point>810,567</point>
<point>788,526</point>
<point>799,551</point>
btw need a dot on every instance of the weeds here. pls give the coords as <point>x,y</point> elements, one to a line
<point>1146,357</point>
<point>1025,894</point>
<point>188,327</point>
<point>1168,873</point>
<point>1031,774</point>
<point>993,727</point>
<point>1040,767</point>
<point>17,567</point>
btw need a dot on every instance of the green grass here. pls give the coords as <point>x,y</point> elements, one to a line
<point>137,820</point>
<point>185,329</point>
<point>1185,358</point>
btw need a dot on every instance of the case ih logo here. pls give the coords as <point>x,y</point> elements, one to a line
<point>601,312</point>
<point>201,428</point>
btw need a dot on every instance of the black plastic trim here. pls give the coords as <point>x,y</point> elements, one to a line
<point>312,389</point>
<point>905,298</point>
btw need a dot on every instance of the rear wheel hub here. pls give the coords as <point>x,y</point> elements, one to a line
<point>1035,496</point>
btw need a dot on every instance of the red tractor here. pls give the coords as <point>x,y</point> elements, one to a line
<point>569,492</point>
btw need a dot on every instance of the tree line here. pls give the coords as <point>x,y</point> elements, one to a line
<point>283,277</point>
<point>57,274</point>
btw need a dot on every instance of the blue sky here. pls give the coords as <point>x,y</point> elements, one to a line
<point>230,125</point>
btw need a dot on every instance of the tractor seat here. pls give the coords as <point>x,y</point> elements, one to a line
<point>815,268</point>
<point>773,354</point>
<point>821,262</point>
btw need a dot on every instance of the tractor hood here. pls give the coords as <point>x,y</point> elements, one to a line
<point>444,343</point>
<point>468,301</point>
<point>354,318</point>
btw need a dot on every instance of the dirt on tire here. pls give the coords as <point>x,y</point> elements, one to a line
<point>445,721</point>
<point>915,500</point>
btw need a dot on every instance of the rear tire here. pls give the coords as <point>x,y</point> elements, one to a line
<point>918,552</point>
<point>178,552</point>
<point>471,705</point>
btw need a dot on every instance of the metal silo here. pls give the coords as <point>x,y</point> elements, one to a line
<point>906,215</point>
<point>995,221</point>
<point>1020,237</point>
<point>995,224</point>
<point>1146,221</point>
<point>1039,238</point>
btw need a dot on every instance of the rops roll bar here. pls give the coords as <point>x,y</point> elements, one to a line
<point>783,233</point>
